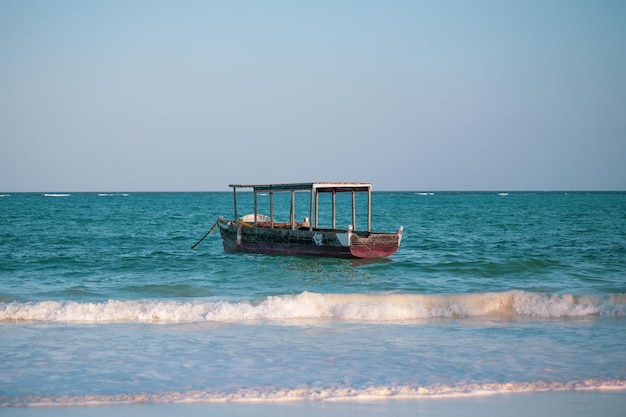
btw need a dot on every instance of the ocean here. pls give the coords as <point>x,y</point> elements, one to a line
<point>103,301</point>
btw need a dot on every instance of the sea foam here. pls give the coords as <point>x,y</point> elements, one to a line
<point>382,308</point>
<point>306,393</point>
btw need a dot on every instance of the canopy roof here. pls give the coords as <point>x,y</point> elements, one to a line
<point>325,187</point>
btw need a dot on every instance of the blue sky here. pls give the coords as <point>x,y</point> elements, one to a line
<point>409,95</point>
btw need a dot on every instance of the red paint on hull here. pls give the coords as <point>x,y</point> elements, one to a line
<point>361,251</point>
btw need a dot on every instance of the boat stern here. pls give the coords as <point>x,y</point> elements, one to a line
<point>374,245</point>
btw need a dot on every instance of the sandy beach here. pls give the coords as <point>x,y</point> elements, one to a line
<point>569,403</point>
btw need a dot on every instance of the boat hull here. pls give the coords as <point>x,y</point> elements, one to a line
<point>242,237</point>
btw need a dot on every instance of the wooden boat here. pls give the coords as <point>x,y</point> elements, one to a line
<point>258,233</point>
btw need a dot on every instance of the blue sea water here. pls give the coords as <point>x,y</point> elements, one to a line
<point>102,300</point>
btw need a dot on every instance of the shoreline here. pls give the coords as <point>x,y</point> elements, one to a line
<point>607,403</point>
<point>312,395</point>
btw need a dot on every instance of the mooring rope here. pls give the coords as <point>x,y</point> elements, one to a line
<point>211,230</point>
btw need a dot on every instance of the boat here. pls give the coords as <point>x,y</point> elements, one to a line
<point>261,233</point>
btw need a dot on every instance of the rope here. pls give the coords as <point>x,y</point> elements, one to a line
<point>211,230</point>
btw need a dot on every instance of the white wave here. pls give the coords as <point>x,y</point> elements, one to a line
<point>112,194</point>
<point>305,393</point>
<point>567,305</point>
<point>347,307</point>
<point>5,195</point>
<point>55,195</point>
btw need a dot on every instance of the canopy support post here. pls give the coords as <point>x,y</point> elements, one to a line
<point>271,209</point>
<point>311,211</point>
<point>235,202</point>
<point>334,210</point>
<point>353,210</point>
<point>292,217</point>
<point>369,209</point>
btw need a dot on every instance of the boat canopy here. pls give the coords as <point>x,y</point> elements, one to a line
<point>323,187</point>
<point>315,188</point>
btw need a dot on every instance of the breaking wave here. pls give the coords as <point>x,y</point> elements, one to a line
<point>321,394</point>
<point>112,194</point>
<point>346,307</point>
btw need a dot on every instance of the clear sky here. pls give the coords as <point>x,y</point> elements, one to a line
<point>409,95</point>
